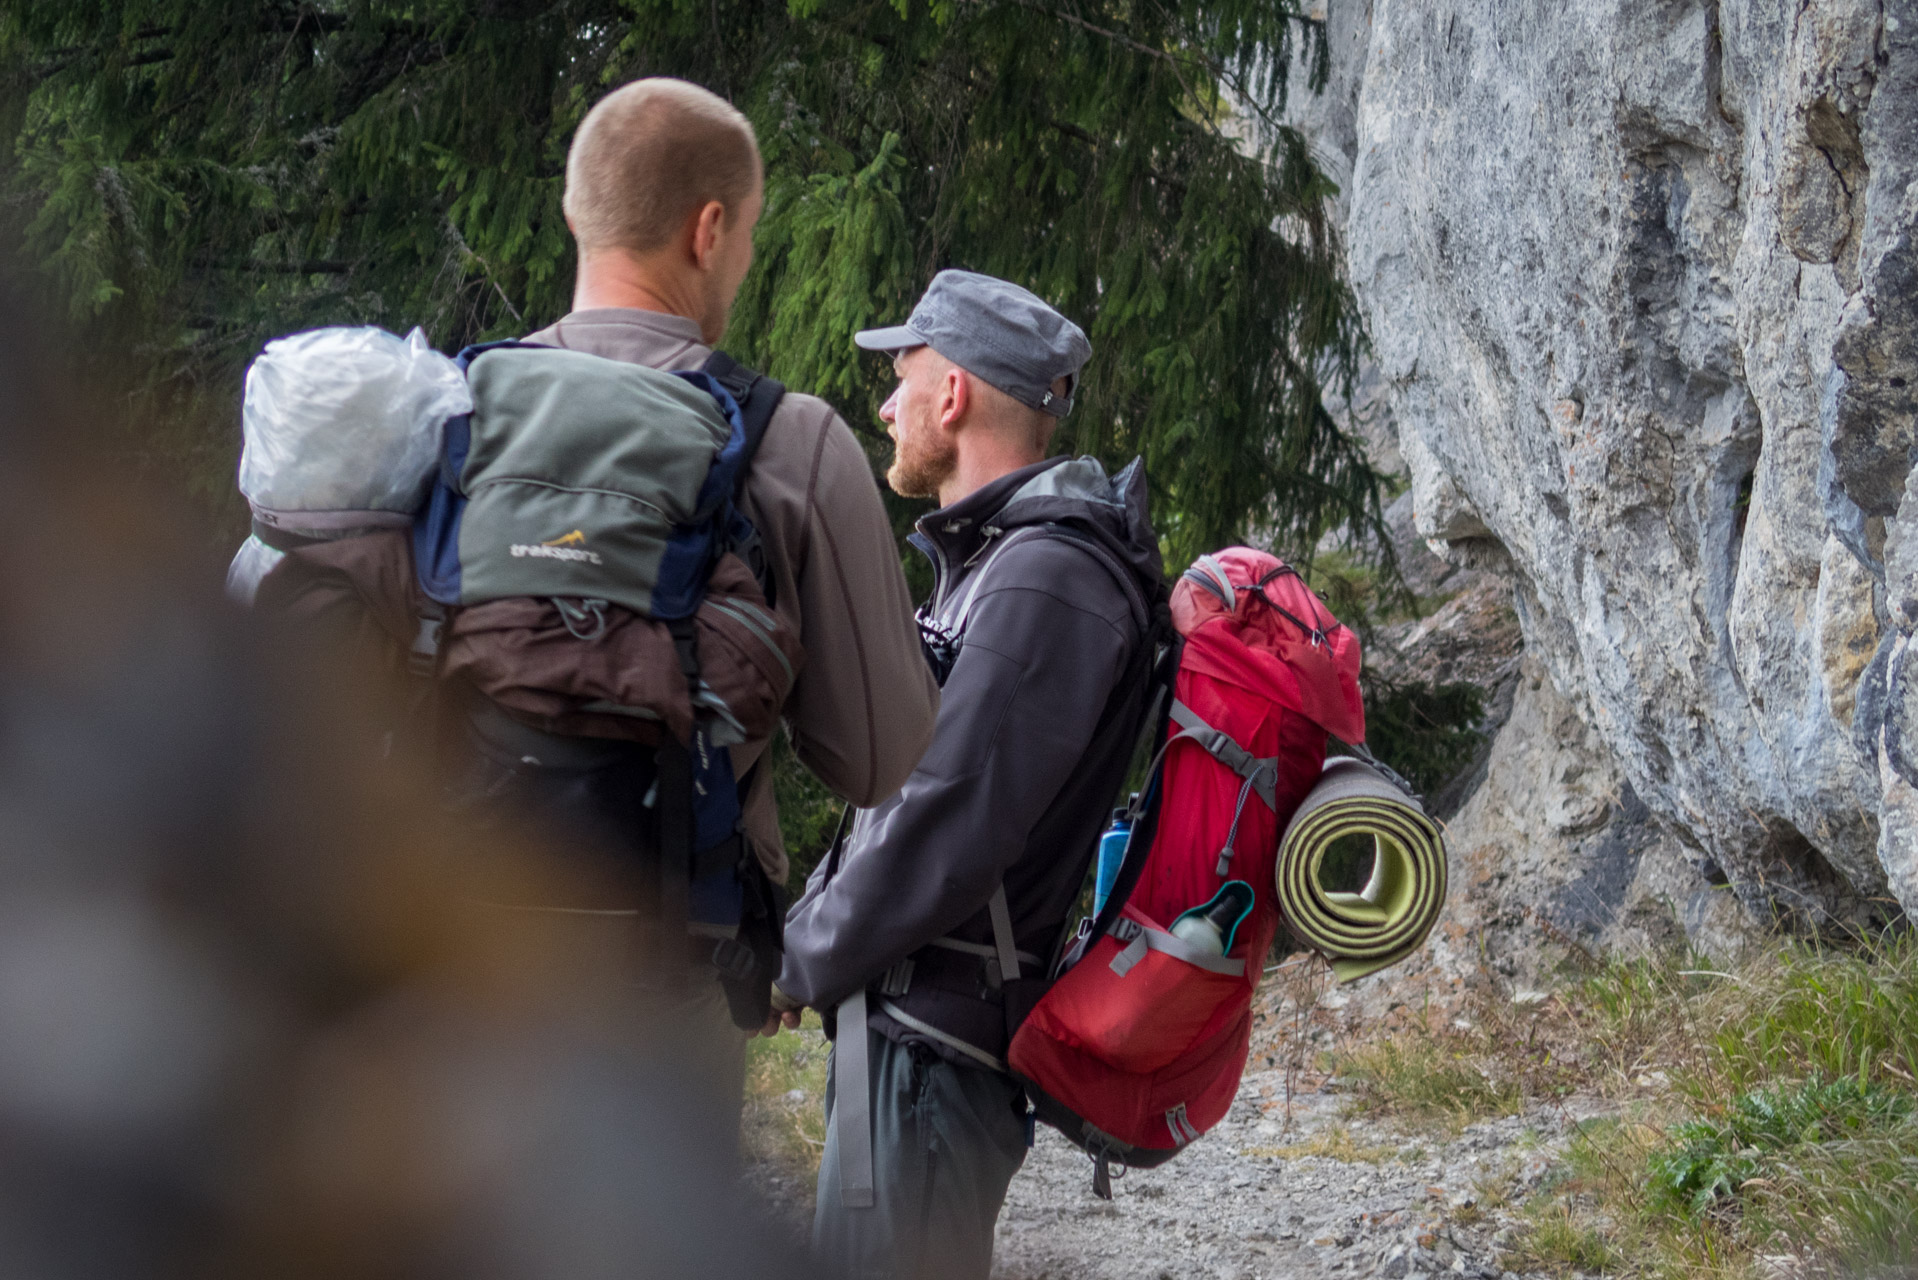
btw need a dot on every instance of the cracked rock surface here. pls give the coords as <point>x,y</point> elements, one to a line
<point>1638,275</point>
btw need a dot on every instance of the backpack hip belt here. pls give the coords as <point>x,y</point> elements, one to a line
<point>952,964</point>
<point>852,1071</point>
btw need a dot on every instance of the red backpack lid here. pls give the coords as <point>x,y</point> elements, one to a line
<point>1250,620</point>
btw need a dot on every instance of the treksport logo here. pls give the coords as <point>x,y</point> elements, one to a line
<point>571,546</point>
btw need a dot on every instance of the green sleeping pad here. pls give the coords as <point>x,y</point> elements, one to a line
<point>1364,930</point>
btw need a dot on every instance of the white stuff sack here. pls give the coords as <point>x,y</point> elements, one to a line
<point>342,422</point>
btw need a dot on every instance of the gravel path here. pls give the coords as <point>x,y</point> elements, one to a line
<point>1298,1189</point>
<point>1323,1195</point>
<point>1256,1198</point>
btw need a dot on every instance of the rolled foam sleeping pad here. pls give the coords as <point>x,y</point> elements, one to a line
<point>1388,919</point>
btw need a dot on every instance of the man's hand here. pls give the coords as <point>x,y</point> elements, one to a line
<point>786,1011</point>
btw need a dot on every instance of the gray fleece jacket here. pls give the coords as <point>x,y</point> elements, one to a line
<point>1037,724</point>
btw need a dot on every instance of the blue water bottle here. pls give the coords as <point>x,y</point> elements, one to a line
<point>1111,853</point>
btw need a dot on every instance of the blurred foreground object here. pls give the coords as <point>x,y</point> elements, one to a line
<point>245,1027</point>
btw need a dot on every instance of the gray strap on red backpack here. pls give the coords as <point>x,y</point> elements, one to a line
<point>1261,773</point>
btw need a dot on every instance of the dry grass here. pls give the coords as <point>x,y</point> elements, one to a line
<point>1440,1078</point>
<point>1447,1067</point>
<point>1766,1114</point>
<point>1780,1131</point>
<point>1336,1143</point>
<point>784,1122</point>
<point>1558,1240</point>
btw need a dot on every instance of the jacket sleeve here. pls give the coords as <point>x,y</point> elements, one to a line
<point>862,711</point>
<point>1019,711</point>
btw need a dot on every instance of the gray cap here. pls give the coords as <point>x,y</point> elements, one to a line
<point>997,331</point>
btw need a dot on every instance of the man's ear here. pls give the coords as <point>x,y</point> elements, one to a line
<point>955,397</point>
<point>706,225</point>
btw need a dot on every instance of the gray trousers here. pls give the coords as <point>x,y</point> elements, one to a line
<point>946,1141</point>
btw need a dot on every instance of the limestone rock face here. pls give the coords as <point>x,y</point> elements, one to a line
<point>1554,846</point>
<point>1641,277</point>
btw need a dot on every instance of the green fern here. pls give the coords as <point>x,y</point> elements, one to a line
<point>1710,1160</point>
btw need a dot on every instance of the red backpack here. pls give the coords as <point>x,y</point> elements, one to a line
<point>1137,1047</point>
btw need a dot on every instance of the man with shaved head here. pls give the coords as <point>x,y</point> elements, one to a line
<point>663,176</point>
<point>663,188</point>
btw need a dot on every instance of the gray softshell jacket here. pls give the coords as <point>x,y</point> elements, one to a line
<point>1049,574</point>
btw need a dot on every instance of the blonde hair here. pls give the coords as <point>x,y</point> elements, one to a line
<point>648,156</point>
<point>1004,412</point>
<point>1014,417</point>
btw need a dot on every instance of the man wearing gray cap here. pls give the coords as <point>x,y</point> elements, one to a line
<point>930,932</point>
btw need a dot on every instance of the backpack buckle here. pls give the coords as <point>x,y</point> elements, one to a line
<point>424,655</point>
<point>584,619</point>
<point>734,959</point>
<point>897,980</point>
<point>993,979</point>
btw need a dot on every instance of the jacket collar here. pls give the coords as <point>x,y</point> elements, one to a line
<point>958,529</point>
<point>660,322</point>
<point>627,333</point>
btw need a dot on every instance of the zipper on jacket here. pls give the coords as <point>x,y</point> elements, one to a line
<point>942,576</point>
<point>986,535</point>
<point>940,573</point>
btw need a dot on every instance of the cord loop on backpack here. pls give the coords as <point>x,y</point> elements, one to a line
<point>1105,1159</point>
<point>585,619</point>
<point>1232,835</point>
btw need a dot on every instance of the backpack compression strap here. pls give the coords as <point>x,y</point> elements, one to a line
<point>758,397</point>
